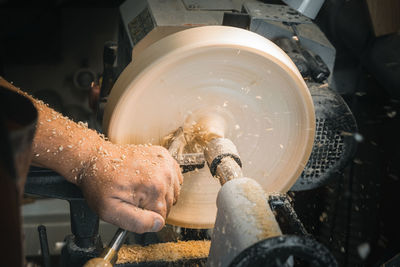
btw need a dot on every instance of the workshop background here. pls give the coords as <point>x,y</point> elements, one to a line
<point>54,50</point>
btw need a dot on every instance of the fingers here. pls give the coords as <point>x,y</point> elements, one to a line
<point>170,201</point>
<point>131,218</point>
<point>161,201</point>
<point>152,198</point>
<point>178,183</point>
<point>159,197</point>
<point>170,162</point>
<point>172,173</point>
<point>176,190</point>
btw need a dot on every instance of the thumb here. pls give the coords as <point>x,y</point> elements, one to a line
<point>132,218</point>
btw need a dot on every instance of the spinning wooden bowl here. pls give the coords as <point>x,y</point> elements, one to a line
<point>235,74</point>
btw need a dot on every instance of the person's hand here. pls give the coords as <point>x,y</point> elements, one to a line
<point>131,186</point>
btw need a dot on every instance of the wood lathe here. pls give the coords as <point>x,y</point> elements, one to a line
<point>223,92</point>
<point>211,83</point>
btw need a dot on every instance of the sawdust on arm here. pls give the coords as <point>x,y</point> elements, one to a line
<point>60,144</point>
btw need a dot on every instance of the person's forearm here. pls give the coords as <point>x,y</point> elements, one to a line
<point>61,144</point>
<point>77,143</point>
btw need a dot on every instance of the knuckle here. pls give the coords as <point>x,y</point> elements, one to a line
<point>156,189</point>
<point>141,200</point>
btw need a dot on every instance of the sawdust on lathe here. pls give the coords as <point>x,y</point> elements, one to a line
<point>171,251</point>
<point>261,212</point>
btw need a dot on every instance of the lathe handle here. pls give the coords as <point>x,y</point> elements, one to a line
<point>110,254</point>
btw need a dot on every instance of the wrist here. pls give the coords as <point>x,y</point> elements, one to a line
<point>83,155</point>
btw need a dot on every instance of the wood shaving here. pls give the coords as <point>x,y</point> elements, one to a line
<point>171,251</point>
<point>198,132</point>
